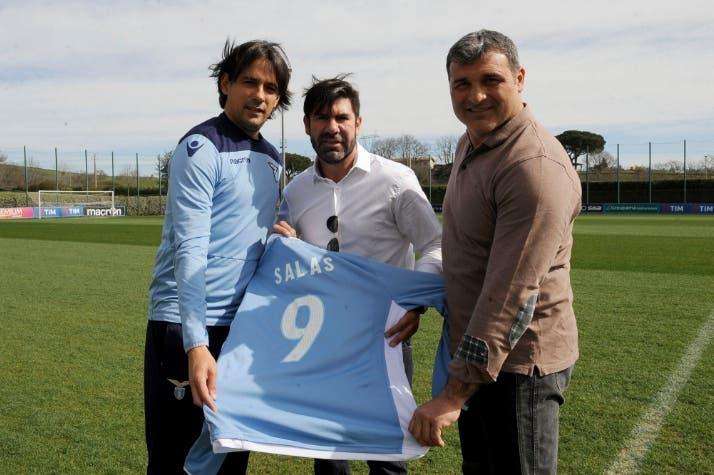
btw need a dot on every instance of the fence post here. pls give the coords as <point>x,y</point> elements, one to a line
<point>138,201</point>
<point>587,175</point>
<point>86,171</point>
<point>56,171</point>
<point>617,170</point>
<point>27,187</point>
<point>685,170</point>
<point>649,171</point>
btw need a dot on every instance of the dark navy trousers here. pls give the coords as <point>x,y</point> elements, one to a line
<point>172,421</point>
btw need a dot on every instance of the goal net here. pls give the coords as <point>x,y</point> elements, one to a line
<point>52,203</point>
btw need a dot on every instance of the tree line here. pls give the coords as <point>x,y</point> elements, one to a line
<point>405,148</point>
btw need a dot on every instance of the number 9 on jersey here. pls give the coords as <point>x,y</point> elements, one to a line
<point>307,334</point>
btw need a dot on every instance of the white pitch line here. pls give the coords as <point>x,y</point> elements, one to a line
<point>645,432</point>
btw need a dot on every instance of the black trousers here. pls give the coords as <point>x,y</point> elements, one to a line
<point>172,421</point>
<point>342,467</point>
<point>511,426</point>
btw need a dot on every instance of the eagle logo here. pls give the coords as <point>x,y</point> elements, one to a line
<point>276,171</point>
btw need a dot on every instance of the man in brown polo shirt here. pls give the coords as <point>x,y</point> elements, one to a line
<point>509,210</point>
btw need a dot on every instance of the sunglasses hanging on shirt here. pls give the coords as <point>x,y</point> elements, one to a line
<point>332,226</point>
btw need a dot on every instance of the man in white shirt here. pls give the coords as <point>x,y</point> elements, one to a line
<point>356,202</point>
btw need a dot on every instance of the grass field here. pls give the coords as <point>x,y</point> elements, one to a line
<point>73,316</point>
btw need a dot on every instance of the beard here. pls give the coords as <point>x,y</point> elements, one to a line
<point>250,125</point>
<point>329,154</point>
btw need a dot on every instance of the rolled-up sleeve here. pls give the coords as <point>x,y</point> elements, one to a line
<point>533,215</point>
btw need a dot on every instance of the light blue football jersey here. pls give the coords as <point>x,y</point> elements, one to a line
<point>223,189</point>
<point>306,369</point>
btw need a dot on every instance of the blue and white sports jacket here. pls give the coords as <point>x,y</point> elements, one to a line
<point>306,370</point>
<point>223,190</point>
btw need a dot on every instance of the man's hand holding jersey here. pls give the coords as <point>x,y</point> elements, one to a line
<point>202,374</point>
<point>402,330</point>
<point>431,418</point>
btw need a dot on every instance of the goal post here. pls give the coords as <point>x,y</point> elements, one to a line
<point>54,203</point>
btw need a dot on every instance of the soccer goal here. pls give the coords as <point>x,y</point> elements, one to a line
<point>53,203</point>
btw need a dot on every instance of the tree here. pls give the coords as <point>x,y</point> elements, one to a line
<point>367,141</point>
<point>445,148</point>
<point>164,161</point>
<point>410,147</point>
<point>405,147</point>
<point>671,166</point>
<point>707,163</point>
<point>295,163</point>
<point>601,161</point>
<point>3,157</point>
<point>579,142</point>
<point>386,147</point>
<point>128,173</point>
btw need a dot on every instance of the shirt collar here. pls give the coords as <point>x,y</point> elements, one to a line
<point>498,136</point>
<point>362,162</point>
<point>236,131</point>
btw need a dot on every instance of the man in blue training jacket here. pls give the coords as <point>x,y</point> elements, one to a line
<point>223,190</point>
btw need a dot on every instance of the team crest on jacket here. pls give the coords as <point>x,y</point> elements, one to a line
<point>276,171</point>
<point>193,146</point>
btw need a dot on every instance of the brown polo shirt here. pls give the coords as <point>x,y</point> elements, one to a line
<point>507,238</point>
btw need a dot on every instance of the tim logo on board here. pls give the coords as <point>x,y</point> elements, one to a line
<point>51,212</point>
<point>674,208</point>
<point>105,211</point>
<point>74,211</point>
<point>704,208</point>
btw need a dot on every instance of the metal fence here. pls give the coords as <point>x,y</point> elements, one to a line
<point>678,171</point>
<point>129,174</point>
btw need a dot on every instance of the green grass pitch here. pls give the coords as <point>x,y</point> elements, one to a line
<point>73,314</point>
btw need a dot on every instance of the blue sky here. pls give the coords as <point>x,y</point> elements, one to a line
<point>133,76</point>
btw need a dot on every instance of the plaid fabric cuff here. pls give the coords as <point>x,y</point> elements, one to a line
<point>523,319</point>
<point>473,350</point>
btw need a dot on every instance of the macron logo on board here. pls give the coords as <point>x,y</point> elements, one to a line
<point>104,211</point>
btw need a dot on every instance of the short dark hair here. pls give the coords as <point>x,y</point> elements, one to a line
<point>324,92</point>
<point>238,58</point>
<point>474,45</point>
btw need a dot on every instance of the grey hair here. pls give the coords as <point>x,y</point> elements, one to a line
<point>474,45</point>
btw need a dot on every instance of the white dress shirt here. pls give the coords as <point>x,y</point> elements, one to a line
<point>382,211</point>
